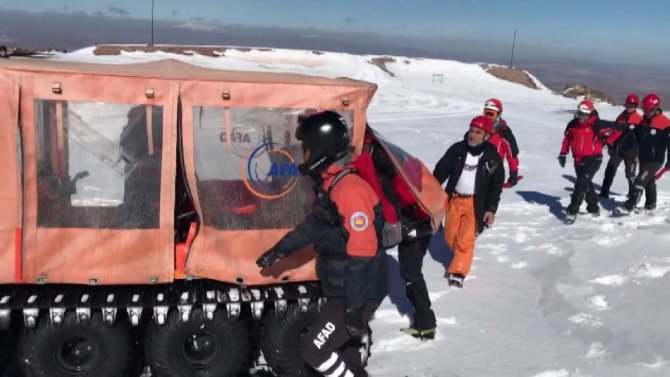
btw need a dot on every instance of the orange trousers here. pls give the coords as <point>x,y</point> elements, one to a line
<point>460,231</point>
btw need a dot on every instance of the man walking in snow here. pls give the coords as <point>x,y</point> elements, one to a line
<point>621,146</point>
<point>398,201</point>
<point>584,136</point>
<point>475,178</point>
<point>503,139</point>
<point>653,137</point>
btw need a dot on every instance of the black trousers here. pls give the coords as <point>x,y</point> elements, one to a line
<point>585,171</point>
<point>616,157</point>
<point>410,255</point>
<point>328,347</point>
<point>645,181</point>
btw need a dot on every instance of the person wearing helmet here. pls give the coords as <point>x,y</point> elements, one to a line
<point>475,177</point>
<point>621,146</point>
<point>503,139</point>
<point>416,228</point>
<point>584,137</point>
<point>345,226</point>
<point>653,137</point>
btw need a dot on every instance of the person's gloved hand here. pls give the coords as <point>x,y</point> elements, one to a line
<point>561,160</point>
<point>513,178</point>
<point>354,323</point>
<point>269,257</point>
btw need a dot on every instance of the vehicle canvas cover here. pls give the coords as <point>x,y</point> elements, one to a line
<point>88,193</point>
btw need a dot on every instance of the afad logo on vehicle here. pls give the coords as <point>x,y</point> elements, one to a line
<point>270,171</point>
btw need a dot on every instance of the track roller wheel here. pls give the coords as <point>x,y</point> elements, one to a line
<point>76,349</point>
<point>199,347</point>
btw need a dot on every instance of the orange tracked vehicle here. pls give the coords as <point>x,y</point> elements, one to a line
<point>134,202</point>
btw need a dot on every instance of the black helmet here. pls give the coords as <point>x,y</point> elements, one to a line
<point>326,135</point>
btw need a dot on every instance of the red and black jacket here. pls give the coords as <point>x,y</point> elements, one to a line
<point>345,226</point>
<point>653,137</point>
<point>624,140</point>
<point>586,139</point>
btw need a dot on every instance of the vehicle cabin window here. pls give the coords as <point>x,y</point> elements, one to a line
<point>98,164</point>
<point>246,167</point>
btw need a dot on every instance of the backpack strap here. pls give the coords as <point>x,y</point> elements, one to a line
<point>338,177</point>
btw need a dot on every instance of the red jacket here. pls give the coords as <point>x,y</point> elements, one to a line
<point>504,149</point>
<point>626,118</point>
<point>583,139</point>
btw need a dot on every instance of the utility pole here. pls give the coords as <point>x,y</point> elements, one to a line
<point>511,62</point>
<point>152,23</point>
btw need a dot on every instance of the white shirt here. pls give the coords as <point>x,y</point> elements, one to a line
<point>466,183</point>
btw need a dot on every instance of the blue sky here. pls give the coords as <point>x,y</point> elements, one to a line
<point>617,31</point>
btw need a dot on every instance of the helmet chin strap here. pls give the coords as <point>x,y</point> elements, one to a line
<point>342,159</point>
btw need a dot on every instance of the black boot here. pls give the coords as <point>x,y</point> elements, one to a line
<point>632,202</point>
<point>424,317</point>
<point>610,172</point>
<point>631,187</point>
<point>650,197</point>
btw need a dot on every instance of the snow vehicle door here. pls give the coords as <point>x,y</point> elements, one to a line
<point>240,159</point>
<point>10,189</point>
<point>98,147</point>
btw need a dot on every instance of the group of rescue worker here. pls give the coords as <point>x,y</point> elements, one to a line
<point>641,142</point>
<point>348,229</point>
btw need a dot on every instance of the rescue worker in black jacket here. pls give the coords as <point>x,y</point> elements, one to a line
<point>345,227</point>
<point>653,137</point>
<point>476,176</point>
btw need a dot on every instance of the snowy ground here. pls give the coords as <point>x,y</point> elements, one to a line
<point>543,299</point>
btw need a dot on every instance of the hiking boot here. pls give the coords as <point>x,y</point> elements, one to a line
<point>649,207</point>
<point>455,280</point>
<point>595,213</point>
<point>428,334</point>
<point>622,211</point>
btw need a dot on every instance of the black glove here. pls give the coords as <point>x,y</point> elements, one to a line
<point>354,323</point>
<point>561,160</point>
<point>513,178</point>
<point>269,257</point>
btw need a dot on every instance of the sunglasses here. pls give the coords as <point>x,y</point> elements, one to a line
<point>491,114</point>
<point>631,105</point>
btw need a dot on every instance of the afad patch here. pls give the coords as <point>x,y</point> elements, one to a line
<point>359,221</point>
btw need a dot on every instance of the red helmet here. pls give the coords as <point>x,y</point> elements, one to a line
<point>493,104</point>
<point>585,107</point>
<point>650,102</point>
<point>483,122</point>
<point>632,99</point>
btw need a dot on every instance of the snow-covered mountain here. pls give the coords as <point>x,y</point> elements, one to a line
<point>543,299</point>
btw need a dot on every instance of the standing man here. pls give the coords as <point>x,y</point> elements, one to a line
<point>345,227</point>
<point>653,137</point>
<point>3,52</point>
<point>475,178</point>
<point>584,136</point>
<point>503,139</point>
<point>621,146</point>
<point>416,227</point>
